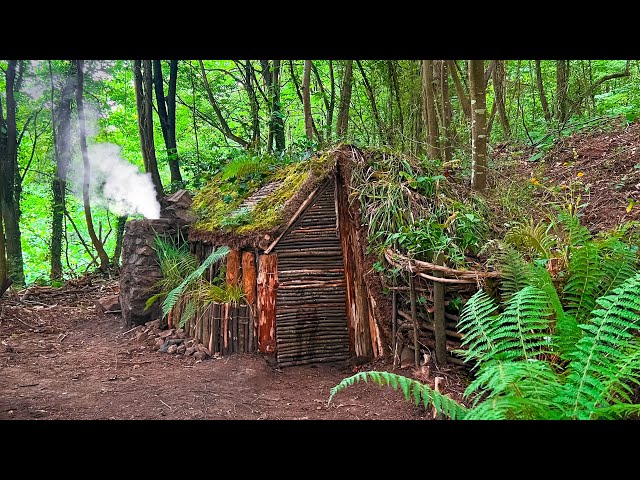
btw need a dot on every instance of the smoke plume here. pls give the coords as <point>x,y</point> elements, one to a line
<point>117,184</point>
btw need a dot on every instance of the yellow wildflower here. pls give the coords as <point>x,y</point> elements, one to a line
<point>580,174</point>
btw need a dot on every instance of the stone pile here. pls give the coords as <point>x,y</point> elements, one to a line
<point>172,341</point>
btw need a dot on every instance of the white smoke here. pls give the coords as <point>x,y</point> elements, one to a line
<point>118,185</point>
<point>114,183</point>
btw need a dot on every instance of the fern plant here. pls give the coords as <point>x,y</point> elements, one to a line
<point>549,352</point>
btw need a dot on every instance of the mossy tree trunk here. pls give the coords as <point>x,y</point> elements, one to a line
<point>10,178</point>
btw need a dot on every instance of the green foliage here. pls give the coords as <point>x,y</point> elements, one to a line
<point>411,389</point>
<point>548,352</point>
<point>172,297</point>
<point>217,204</point>
<point>532,238</point>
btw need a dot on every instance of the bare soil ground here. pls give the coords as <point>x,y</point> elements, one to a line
<point>60,360</point>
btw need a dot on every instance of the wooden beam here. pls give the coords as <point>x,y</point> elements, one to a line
<point>295,216</point>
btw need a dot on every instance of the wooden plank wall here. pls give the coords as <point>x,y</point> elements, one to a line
<point>223,328</point>
<point>311,321</point>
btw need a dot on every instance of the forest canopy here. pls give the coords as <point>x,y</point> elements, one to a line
<point>85,145</point>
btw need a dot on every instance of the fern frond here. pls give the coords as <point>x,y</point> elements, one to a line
<point>522,330</point>
<point>616,411</point>
<point>531,238</point>
<point>189,311</point>
<point>412,390</point>
<point>172,297</point>
<point>619,261</point>
<point>476,324</point>
<point>516,272</point>
<point>242,166</point>
<point>584,277</point>
<point>514,390</point>
<point>607,356</point>
<point>576,233</point>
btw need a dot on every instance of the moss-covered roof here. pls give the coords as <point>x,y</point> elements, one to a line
<point>241,209</point>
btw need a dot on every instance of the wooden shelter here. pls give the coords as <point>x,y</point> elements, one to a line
<point>304,277</point>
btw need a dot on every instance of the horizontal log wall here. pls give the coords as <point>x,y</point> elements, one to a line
<point>311,322</point>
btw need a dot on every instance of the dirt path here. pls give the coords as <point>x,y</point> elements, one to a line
<point>60,360</point>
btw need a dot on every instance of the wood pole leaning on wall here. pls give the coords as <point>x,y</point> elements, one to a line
<point>414,317</point>
<point>438,316</point>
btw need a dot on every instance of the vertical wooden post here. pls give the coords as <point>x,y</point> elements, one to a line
<point>267,289</point>
<point>233,267</point>
<point>438,316</point>
<point>249,279</point>
<point>414,317</point>
<point>394,326</point>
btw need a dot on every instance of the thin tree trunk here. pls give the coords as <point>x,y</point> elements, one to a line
<point>278,118</point>
<point>446,112</point>
<point>9,205</point>
<point>477,88</point>
<point>345,101</point>
<point>224,125</point>
<point>543,96</point>
<point>253,102</point>
<point>499,74</point>
<point>61,129</point>
<point>429,109</point>
<point>97,244</point>
<point>143,83</point>
<point>306,100</point>
<point>396,91</point>
<point>167,116</point>
<point>5,281</point>
<point>372,100</point>
<point>332,102</point>
<point>463,98</point>
<point>562,89</point>
<point>117,252</point>
<point>328,101</point>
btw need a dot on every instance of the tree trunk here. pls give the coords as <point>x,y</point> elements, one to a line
<point>9,204</point>
<point>253,102</point>
<point>372,100</point>
<point>477,89</point>
<point>5,281</point>
<point>429,110</point>
<point>167,116</point>
<point>463,99</point>
<point>277,116</point>
<point>97,244</point>
<point>499,75</point>
<point>299,92</point>
<point>543,96</point>
<point>306,99</point>
<point>446,112</point>
<point>117,251</point>
<point>276,123</point>
<point>396,93</point>
<point>562,89</point>
<point>345,101</point>
<point>61,129</point>
<point>143,83</point>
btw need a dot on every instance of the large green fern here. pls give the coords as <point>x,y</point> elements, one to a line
<point>607,357</point>
<point>550,351</point>
<point>173,296</point>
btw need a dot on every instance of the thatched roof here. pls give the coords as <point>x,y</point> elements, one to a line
<point>259,212</point>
